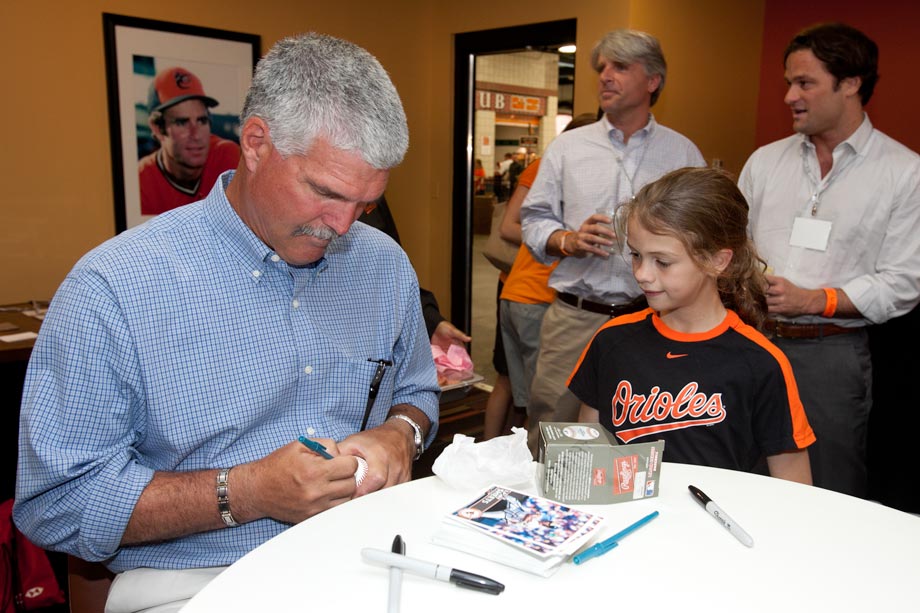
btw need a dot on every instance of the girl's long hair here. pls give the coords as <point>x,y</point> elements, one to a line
<point>704,209</point>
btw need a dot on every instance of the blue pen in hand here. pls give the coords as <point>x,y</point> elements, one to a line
<point>315,447</point>
<point>608,544</point>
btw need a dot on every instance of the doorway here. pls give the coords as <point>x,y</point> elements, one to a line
<point>473,279</point>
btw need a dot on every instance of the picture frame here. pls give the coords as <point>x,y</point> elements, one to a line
<point>138,50</point>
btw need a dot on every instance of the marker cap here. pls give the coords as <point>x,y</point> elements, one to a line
<point>475,582</point>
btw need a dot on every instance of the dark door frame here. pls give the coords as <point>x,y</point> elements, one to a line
<point>467,46</point>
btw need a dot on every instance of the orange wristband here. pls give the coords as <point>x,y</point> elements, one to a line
<point>830,306</point>
<point>562,242</point>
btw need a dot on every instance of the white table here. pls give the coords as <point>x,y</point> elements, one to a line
<point>815,550</point>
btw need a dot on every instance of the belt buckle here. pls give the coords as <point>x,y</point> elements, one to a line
<point>801,331</point>
<point>778,331</point>
<point>788,330</point>
<point>771,328</point>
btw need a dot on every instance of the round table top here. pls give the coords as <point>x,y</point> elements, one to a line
<point>813,550</point>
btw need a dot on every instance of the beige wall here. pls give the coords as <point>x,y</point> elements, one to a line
<point>713,53</point>
<point>54,160</point>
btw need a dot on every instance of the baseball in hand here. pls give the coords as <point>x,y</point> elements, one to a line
<point>361,471</point>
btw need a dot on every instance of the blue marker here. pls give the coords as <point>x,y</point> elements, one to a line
<point>314,446</point>
<point>607,544</point>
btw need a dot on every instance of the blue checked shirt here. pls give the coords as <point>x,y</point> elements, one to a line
<point>186,343</point>
<point>580,172</point>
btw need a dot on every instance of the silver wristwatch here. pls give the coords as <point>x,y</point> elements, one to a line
<point>417,434</point>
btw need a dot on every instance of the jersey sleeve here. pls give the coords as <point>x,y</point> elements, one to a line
<point>583,380</point>
<point>779,420</point>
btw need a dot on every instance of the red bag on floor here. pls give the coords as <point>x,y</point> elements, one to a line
<point>27,581</point>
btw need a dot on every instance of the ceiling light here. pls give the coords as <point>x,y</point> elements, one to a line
<point>567,49</point>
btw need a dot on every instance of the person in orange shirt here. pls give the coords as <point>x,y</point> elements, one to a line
<point>479,178</point>
<point>524,298</point>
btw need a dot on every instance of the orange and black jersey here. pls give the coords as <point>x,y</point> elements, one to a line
<point>725,398</point>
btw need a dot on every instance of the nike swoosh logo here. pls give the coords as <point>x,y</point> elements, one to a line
<point>671,356</point>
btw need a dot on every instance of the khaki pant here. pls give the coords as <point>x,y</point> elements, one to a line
<point>565,333</point>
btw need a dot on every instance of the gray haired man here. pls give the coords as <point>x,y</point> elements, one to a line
<point>180,362</point>
<point>583,171</point>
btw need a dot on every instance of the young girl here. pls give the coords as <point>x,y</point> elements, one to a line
<point>688,369</point>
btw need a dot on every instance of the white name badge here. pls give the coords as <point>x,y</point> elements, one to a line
<point>810,233</point>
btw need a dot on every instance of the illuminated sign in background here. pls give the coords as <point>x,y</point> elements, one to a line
<point>513,104</point>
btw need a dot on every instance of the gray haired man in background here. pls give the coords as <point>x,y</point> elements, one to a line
<point>584,170</point>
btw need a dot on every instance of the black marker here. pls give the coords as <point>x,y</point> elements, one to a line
<point>714,510</point>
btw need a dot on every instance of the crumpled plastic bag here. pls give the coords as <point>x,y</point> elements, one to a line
<point>503,460</point>
<point>453,365</point>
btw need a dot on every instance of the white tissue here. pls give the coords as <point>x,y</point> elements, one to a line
<point>505,460</point>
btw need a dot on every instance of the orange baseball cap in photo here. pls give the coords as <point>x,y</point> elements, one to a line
<point>175,85</point>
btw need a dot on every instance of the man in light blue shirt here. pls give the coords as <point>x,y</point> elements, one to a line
<point>591,169</point>
<point>180,361</point>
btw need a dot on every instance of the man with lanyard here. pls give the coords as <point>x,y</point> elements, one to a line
<point>599,165</point>
<point>835,212</point>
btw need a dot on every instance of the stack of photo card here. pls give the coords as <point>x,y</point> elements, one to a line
<point>527,532</point>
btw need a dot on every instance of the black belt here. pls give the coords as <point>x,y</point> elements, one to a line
<point>784,329</point>
<point>610,310</point>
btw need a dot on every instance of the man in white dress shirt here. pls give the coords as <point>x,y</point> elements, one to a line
<point>599,165</point>
<point>835,211</point>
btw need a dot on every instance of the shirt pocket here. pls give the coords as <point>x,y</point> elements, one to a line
<point>357,393</point>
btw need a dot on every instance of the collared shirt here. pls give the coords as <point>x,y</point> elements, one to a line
<point>871,196</point>
<point>586,168</point>
<point>186,343</point>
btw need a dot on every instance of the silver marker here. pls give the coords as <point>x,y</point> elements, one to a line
<point>399,548</point>
<point>433,571</point>
<point>723,517</point>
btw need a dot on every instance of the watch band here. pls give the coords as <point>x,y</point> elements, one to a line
<point>417,434</point>
<point>223,498</point>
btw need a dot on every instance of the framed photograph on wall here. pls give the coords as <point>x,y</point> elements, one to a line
<point>175,92</point>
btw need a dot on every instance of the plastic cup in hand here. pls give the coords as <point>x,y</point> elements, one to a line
<point>610,212</point>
